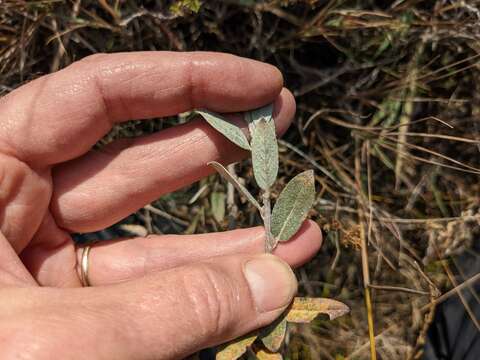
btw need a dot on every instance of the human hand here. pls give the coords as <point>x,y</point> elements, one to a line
<point>161,297</point>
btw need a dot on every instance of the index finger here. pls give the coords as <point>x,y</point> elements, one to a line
<point>61,116</point>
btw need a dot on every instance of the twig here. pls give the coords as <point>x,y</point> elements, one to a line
<point>420,221</point>
<point>197,194</point>
<point>166,215</point>
<point>456,289</point>
<point>364,254</point>
<point>469,310</point>
<point>397,288</point>
<point>231,205</point>
<point>337,243</point>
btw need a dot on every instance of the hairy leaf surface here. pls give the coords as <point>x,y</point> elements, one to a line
<point>292,206</point>
<point>264,153</point>
<point>230,131</point>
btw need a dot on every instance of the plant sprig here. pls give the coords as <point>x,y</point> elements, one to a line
<point>298,196</point>
<point>289,212</point>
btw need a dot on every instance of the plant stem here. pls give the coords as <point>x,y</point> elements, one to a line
<point>231,206</point>
<point>267,217</point>
<point>364,249</point>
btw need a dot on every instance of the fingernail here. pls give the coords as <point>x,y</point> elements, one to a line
<point>271,281</point>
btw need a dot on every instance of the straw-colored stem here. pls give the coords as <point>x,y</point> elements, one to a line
<point>364,255</point>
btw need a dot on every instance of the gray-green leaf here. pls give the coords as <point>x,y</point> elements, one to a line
<point>233,180</point>
<point>264,153</point>
<point>230,131</point>
<point>292,206</point>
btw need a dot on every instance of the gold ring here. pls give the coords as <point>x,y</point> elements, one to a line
<point>84,266</point>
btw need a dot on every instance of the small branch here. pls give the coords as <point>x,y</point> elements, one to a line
<point>270,242</point>
<point>337,242</point>
<point>231,205</point>
<point>166,215</point>
<point>364,256</point>
<point>397,288</point>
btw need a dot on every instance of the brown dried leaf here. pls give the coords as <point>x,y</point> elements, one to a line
<point>274,334</point>
<point>235,348</point>
<point>304,310</point>
<point>264,355</point>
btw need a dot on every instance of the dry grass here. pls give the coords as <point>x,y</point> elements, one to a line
<point>387,116</point>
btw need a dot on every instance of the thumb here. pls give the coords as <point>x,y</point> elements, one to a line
<point>180,311</point>
<point>171,314</point>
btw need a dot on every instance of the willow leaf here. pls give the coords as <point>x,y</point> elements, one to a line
<point>292,206</point>
<point>304,310</point>
<point>274,334</point>
<point>233,180</point>
<point>230,131</point>
<point>264,153</point>
<point>235,348</point>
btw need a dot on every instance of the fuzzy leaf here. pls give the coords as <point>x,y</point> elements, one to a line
<point>254,116</point>
<point>292,206</point>
<point>217,201</point>
<point>264,153</point>
<point>235,348</point>
<point>230,131</point>
<point>274,334</point>
<point>264,355</point>
<point>233,180</point>
<point>304,310</point>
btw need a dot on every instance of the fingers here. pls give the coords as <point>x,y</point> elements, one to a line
<point>53,261</point>
<point>24,200</point>
<point>73,108</point>
<point>102,187</point>
<point>117,261</point>
<point>167,315</point>
<point>12,271</point>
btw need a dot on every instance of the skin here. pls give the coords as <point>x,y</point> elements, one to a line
<point>161,297</point>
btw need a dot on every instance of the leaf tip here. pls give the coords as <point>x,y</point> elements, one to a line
<point>310,175</point>
<point>341,310</point>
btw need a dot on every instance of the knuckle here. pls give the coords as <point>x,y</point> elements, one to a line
<point>85,72</point>
<point>87,63</point>
<point>213,297</point>
<point>94,58</point>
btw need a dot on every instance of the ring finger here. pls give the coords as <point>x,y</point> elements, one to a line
<point>121,260</point>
